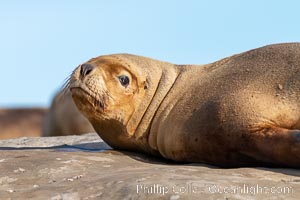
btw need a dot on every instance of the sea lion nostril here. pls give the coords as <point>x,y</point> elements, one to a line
<point>86,69</point>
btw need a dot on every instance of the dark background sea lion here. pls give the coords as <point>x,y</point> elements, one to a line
<point>240,111</point>
<point>21,122</point>
<point>64,118</point>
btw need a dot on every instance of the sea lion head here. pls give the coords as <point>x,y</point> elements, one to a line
<point>115,92</point>
<point>105,89</point>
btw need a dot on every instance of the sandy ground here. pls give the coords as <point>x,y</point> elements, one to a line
<point>84,167</point>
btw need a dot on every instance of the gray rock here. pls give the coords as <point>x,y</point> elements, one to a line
<point>84,167</point>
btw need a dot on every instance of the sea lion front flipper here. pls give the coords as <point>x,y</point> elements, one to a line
<point>278,145</point>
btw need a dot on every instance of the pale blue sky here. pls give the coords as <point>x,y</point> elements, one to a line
<point>41,42</point>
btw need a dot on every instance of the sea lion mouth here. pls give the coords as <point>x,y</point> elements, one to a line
<point>88,96</point>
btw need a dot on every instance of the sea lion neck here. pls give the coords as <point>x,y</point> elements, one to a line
<point>156,78</point>
<point>160,84</point>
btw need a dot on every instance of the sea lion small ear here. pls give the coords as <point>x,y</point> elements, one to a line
<point>146,84</point>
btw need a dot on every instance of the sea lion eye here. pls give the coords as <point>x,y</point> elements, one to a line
<point>124,80</point>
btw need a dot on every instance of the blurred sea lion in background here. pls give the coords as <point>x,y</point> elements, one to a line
<point>64,118</point>
<point>21,122</point>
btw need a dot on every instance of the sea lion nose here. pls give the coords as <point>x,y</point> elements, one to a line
<point>86,69</point>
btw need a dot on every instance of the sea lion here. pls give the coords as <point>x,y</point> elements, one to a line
<point>64,118</point>
<point>21,122</point>
<point>243,110</point>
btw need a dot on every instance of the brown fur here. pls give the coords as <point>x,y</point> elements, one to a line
<point>243,110</point>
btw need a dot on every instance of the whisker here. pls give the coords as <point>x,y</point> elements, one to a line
<point>65,87</point>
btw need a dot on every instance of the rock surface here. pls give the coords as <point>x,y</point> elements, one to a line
<point>84,167</point>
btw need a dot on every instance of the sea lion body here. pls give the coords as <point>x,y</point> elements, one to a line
<point>240,111</point>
